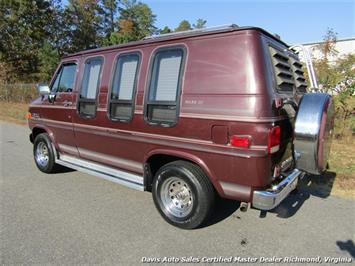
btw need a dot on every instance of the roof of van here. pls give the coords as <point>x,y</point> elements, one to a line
<point>178,35</point>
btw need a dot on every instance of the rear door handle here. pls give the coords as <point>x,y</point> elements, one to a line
<point>66,103</point>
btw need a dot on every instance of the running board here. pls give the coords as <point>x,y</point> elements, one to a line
<point>99,170</point>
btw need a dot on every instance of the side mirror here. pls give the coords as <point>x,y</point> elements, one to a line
<point>43,89</point>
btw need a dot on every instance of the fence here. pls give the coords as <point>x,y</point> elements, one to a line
<point>23,93</point>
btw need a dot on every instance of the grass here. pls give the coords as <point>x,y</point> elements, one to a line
<point>342,162</point>
<point>340,179</point>
<point>13,112</point>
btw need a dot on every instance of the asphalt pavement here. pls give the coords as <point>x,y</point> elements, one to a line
<point>71,218</point>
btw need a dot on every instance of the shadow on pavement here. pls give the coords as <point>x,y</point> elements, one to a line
<point>309,185</point>
<point>223,209</point>
<point>318,186</point>
<point>62,170</point>
<point>347,246</point>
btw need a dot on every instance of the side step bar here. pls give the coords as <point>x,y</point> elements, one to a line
<point>108,173</point>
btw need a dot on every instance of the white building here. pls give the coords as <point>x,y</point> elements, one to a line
<point>342,46</point>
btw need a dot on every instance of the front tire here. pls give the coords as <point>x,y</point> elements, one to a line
<point>183,194</point>
<point>43,153</point>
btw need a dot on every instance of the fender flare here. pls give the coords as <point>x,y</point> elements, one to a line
<point>190,157</point>
<point>49,132</point>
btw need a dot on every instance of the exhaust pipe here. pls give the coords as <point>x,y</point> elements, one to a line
<point>243,206</point>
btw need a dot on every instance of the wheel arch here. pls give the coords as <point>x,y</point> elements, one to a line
<point>157,158</point>
<point>38,129</point>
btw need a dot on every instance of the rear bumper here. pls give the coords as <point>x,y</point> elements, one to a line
<point>269,199</point>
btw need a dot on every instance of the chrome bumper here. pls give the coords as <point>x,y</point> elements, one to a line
<point>269,199</point>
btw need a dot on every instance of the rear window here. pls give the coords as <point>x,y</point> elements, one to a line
<point>165,79</point>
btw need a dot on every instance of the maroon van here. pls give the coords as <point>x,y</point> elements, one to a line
<point>187,116</point>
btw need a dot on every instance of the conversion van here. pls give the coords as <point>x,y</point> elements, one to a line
<point>187,116</point>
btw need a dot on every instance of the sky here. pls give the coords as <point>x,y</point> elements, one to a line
<point>295,21</point>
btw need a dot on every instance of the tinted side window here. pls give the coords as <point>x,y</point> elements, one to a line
<point>164,87</point>
<point>66,82</point>
<point>54,86</point>
<point>124,87</point>
<point>65,78</point>
<point>89,87</point>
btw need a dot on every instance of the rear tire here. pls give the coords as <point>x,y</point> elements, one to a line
<point>43,154</point>
<point>183,194</point>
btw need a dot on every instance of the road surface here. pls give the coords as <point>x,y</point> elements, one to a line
<point>73,218</point>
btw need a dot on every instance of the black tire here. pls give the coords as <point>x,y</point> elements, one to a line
<point>49,165</point>
<point>200,195</point>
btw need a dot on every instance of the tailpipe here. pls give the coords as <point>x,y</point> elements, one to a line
<point>243,206</point>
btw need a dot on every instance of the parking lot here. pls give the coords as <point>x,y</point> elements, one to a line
<point>74,218</point>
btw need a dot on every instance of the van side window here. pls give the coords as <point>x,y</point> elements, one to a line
<point>164,87</point>
<point>89,87</point>
<point>64,81</point>
<point>123,87</point>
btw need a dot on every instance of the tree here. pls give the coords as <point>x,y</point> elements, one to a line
<point>345,66</point>
<point>164,30</point>
<point>124,35</point>
<point>184,25</point>
<point>49,58</point>
<point>200,24</point>
<point>58,29</point>
<point>327,47</point>
<point>23,27</point>
<point>5,71</point>
<point>119,37</point>
<point>140,15</point>
<point>326,75</point>
<point>109,8</point>
<point>85,24</point>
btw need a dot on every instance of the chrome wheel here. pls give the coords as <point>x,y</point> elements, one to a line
<point>176,197</point>
<point>42,155</point>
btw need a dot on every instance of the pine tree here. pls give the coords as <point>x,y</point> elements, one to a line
<point>85,22</point>
<point>110,9</point>
<point>184,25</point>
<point>200,24</point>
<point>164,30</point>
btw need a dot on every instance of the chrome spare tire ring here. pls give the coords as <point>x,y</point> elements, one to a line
<point>313,129</point>
<point>42,154</point>
<point>176,197</point>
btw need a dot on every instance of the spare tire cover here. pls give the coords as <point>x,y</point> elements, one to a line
<point>313,130</point>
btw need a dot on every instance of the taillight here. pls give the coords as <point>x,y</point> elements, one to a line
<point>240,141</point>
<point>274,139</point>
<point>29,115</point>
